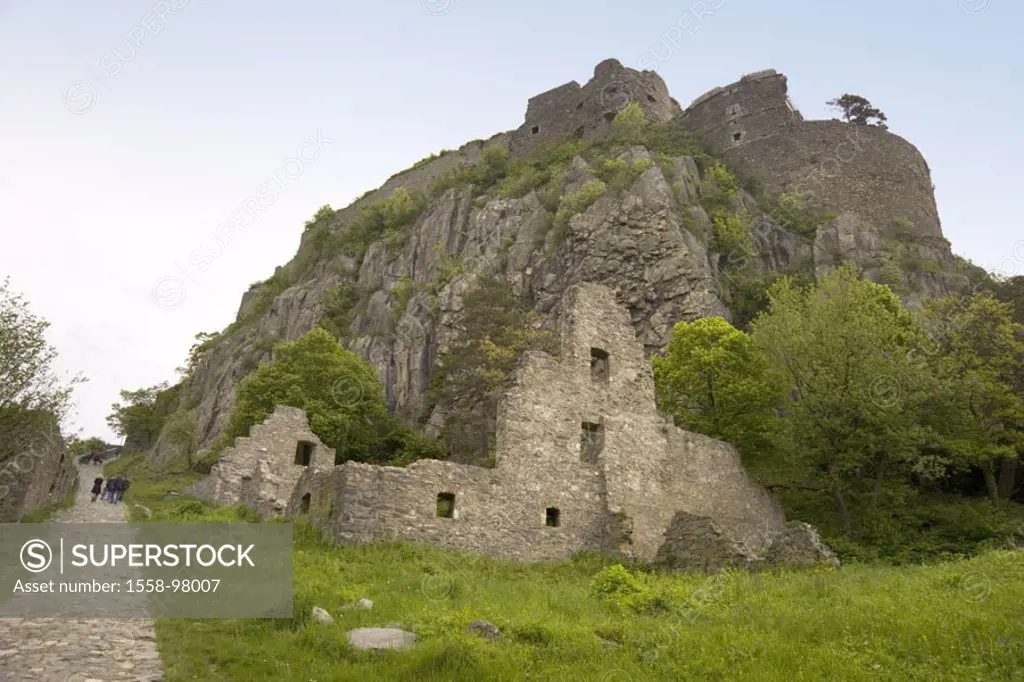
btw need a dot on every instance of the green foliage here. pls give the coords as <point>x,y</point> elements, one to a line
<point>341,305</point>
<point>544,165</point>
<point>402,292</point>
<point>979,358</point>
<point>472,373</point>
<point>719,186</point>
<point>386,219</point>
<point>141,414</point>
<point>731,231</point>
<point>29,385</point>
<point>856,109</point>
<point>339,391</point>
<point>180,430</point>
<point>78,447</point>
<point>630,124</point>
<point>714,380</point>
<point>855,397</point>
<point>617,174</point>
<point>892,276</point>
<point>577,202</point>
<point>492,167</point>
<point>793,212</point>
<point>322,215</point>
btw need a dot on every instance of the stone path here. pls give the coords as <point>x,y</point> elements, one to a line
<point>65,650</point>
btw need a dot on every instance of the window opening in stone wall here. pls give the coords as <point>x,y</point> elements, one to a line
<point>446,505</point>
<point>304,453</point>
<point>551,517</point>
<point>304,504</point>
<point>578,133</point>
<point>599,364</point>
<point>736,136</point>
<point>591,442</point>
<point>536,129</point>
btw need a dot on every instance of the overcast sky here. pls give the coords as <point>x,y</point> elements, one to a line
<point>133,129</point>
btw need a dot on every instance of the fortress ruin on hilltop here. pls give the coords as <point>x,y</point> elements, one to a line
<point>751,125</point>
<point>584,463</point>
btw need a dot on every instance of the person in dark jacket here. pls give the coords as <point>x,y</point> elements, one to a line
<point>97,487</point>
<point>122,486</point>
<point>108,492</point>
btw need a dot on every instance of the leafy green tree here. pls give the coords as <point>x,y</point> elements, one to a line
<point>78,447</point>
<point>338,389</point>
<point>713,379</point>
<point>33,399</point>
<point>858,110</point>
<point>27,378</point>
<point>180,430</point>
<point>981,362</point>
<point>141,414</point>
<point>855,392</point>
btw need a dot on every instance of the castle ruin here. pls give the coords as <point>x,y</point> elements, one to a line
<point>584,462</point>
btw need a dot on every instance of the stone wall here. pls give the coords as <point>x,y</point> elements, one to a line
<point>847,168</point>
<point>586,112</point>
<point>34,472</point>
<point>584,462</point>
<point>261,469</point>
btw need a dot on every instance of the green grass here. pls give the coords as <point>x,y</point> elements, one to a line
<point>958,620</point>
<point>46,514</point>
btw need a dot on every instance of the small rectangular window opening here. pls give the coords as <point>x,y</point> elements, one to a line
<point>303,453</point>
<point>446,505</point>
<point>536,129</point>
<point>551,517</point>
<point>598,364</point>
<point>591,442</point>
<point>737,136</point>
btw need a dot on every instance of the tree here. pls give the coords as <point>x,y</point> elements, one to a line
<point>79,447</point>
<point>981,362</point>
<point>338,389</point>
<point>31,394</point>
<point>713,379</point>
<point>855,392</point>
<point>204,341</point>
<point>141,414</point>
<point>180,431</point>
<point>858,110</point>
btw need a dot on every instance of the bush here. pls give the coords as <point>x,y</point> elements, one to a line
<point>384,219</point>
<point>577,202</point>
<point>731,231</point>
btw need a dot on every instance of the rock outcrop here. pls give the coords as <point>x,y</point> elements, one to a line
<point>651,243</point>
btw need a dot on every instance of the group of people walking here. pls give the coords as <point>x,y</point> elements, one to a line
<point>114,490</point>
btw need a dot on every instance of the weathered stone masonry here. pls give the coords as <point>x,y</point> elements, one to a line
<point>864,170</point>
<point>584,463</point>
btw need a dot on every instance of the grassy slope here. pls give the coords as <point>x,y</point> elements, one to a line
<point>952,621</point>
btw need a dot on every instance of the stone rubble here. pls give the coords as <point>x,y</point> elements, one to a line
<point>79,650</point>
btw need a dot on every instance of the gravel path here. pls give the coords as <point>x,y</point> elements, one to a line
<point>65,650</point>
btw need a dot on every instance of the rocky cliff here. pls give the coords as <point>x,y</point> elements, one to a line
<point>573,197</point>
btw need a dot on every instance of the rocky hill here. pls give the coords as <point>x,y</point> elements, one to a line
<point>683,213</point>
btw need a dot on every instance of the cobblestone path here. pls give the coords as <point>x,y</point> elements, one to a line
<point>71,650</point>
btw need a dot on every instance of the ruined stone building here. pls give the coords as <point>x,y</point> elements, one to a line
<point>584,463</point>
